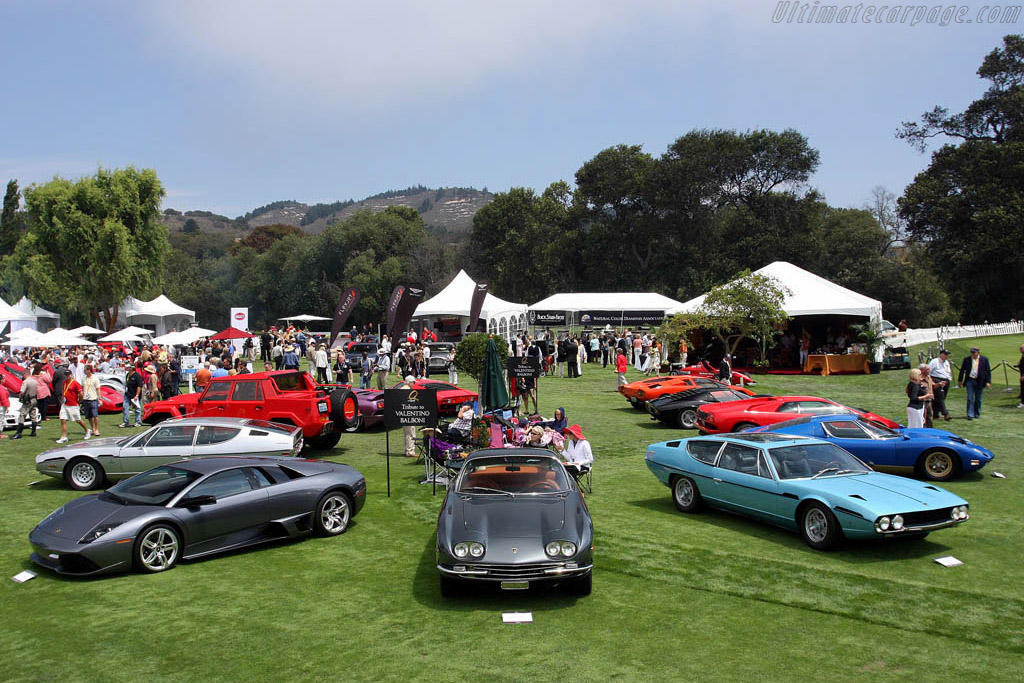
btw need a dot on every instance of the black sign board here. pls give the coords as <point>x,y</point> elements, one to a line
<point>520,367</point>
<point>410,407</point>
<point>547,318</point>
<point>621,318</point>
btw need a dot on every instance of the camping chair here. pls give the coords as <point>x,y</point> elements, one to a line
<point>585,478</point>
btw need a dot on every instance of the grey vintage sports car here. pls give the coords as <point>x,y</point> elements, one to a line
<point>87,465</point>
<point>194,508</point>
<point>514,517</point>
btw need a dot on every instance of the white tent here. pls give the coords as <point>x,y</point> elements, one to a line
<point>128,334</point>
<point>454,301</point>
<point>619,309</point>
<point>87,329</point>
<point>812,295</point>
<point>161,314</point>
<point>58,336</point>
<point>305,318</point>
<point>18,317</point>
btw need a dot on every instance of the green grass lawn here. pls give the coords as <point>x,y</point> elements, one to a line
<point>676,597</point>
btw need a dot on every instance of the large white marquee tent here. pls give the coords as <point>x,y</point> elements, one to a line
<point>812,295</point>
<point>160,315</point>
<point>503,317</point>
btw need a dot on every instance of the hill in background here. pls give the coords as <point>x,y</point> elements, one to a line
<point>444,210</point>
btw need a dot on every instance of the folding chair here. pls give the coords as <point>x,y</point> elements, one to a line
<point>585,479</point>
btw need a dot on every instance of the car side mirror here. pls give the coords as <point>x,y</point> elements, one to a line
<point>196,501</point>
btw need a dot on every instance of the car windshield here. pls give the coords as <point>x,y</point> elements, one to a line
<point>815,460</point>
<point>513,475</point>
<point>155,487</point>
<point>877,431</point>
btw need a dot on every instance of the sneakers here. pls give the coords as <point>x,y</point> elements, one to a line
<point>138,424</point>
<point>123,425</point>
<point>1020,405</point>
<point>62,439</point>
<point>88,434</point>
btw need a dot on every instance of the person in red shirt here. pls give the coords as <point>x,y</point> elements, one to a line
<point>621,364</point>
<point>5,404</point>
<point>69,409</point>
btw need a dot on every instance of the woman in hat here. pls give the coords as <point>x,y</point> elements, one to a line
<point>577,453</point>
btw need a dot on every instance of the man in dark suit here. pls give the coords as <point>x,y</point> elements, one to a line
<point>976,374</point>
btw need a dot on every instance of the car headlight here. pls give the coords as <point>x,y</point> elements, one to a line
<point>553,548</point>
<point>98,531</point>
<point>960,512</point>
<point>897,522</point>
<point>560,548</point>
<point>883,524</point>
<point>471,548</point>
<point>461,549</point>
<point>568,549</point>
<point>476,549</point>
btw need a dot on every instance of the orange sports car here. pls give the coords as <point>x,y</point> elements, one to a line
<point>649,388</point>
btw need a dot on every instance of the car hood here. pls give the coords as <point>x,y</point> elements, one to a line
<point>525,516</point>
<point>874,488</point>
<point>75,519</point>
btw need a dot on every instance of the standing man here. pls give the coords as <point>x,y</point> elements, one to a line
<point>203,376</point>
<point>976,374</point>
<point>383,368</point>
<point>29,392</point>
<point>942,375</point>
<point>321,360</point>
<point>69,409</point>
<point>266,343</point>
<point>621,363</point>
<point>1020,368</point>
<point>133,396</point>
<point>91,401</point>
<point>290,359</point>
<point>365,371</point>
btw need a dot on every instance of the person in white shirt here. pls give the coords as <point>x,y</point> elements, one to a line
<point>577,453</point>
<point>941,374</point>
<point>383,368</point>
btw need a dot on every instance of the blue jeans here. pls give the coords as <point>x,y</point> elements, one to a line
<point>364,381</point>
<point>974,389</point>
<point>126,409</point>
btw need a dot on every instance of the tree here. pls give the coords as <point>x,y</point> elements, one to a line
<point>262,237</point>
<point>471,352</point>
<point>750,305</point>
<point>10,220</point>
<point>92,242</point>
<point>191,226</point>
<point>967,207</point>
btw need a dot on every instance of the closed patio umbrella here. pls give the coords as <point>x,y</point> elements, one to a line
<point>493,393</point>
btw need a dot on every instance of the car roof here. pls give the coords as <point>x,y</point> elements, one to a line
<point>767,439</point>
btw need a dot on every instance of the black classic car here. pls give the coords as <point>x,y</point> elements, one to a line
<point>680,409</point>
<point>514,517</point>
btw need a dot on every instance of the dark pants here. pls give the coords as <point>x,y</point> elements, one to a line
<point>939,401</point>
<point>278,362</point>
<point>974,391</point>
<point>574,370</point>
<point>44,408</point>
<point>321,375</point>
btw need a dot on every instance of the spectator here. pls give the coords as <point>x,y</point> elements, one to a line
<point>5,405</point>
<point>976,374</point>
<point>69,409</point>
<point>577,453</point>
<point>458,431</point>
<point>202,377</point>
<point>29,391</point>
<point>1019,367</point>
<point>91,401</point>
<point>291,358</point>
<point>453,372</point>
<point>320,361</point>
<point>917,393</point>
<point>133,385</point>
<point>365,371</point>
<point>43,395</point>
<point>383,368</point>
<point>621,364</point>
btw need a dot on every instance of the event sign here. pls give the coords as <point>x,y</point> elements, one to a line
<point>347,302</point>
<point>240,318</point>
<point>410,407</point>
<point>621,318</point>
<point>411,297</point>
<point>189,365</point>
<point>521,367</point>
<point>547,318</point>
<point>396,297</point>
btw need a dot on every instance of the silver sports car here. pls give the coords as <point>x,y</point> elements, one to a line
<point>87,464</point>
<point>197,507</point>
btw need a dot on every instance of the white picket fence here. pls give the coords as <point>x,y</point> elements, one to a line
<point>939,335</point>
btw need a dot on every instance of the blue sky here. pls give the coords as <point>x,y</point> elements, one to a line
<point>239,103</point>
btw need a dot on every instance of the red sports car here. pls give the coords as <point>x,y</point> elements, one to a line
<point>719,418</point>
<point>641,391</point>
<point>705,370</point>
<point>449,396</point>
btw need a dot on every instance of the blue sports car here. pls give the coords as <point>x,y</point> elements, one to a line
<point>929,453</point>
<point>807,485</point>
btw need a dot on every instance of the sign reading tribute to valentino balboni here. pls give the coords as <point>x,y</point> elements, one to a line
<point>520,367</point>
<point>410,407</point>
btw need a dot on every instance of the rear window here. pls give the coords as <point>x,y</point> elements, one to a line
<point>293,381</point>
<point>705,451</point>
<point>210,434</point>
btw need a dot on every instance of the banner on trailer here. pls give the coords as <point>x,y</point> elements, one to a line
<point>547,318</point>
<point>477,304</point>
<point>347,302</point>
<point>396,297</point>
<point>412,295</point>
<point>240,318</point>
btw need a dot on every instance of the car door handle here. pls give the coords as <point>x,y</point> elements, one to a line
<point>717,479</point>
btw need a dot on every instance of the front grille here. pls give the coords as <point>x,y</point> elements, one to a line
<point>517,571</point>
<point>926,517</point>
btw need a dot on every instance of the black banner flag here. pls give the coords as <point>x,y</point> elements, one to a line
<point>479,294</point>
<point>411,297</point>
<point>347,302</point>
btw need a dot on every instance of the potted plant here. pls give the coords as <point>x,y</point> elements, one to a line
<point>760,366</point>
<point>871,336</point>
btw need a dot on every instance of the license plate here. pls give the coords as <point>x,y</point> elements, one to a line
<point>514,585</point>
<point>322,407</point>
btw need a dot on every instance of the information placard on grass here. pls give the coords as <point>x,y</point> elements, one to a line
<point>410,407</point>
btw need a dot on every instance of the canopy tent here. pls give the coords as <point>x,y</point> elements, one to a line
<point>87,329</point>
<point>449,310</point>
<point>26,336</point>
<point>20,318</point>
<point>58,336</point>
<point>128,334</point>
<point>598,309</point>
<point>161,314</point>
<point>305,318</point>
<point>812,295</point>
<point>232,333</point>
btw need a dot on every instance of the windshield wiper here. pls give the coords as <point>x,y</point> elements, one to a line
<point>827,469</point>
<point>486,490</point>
